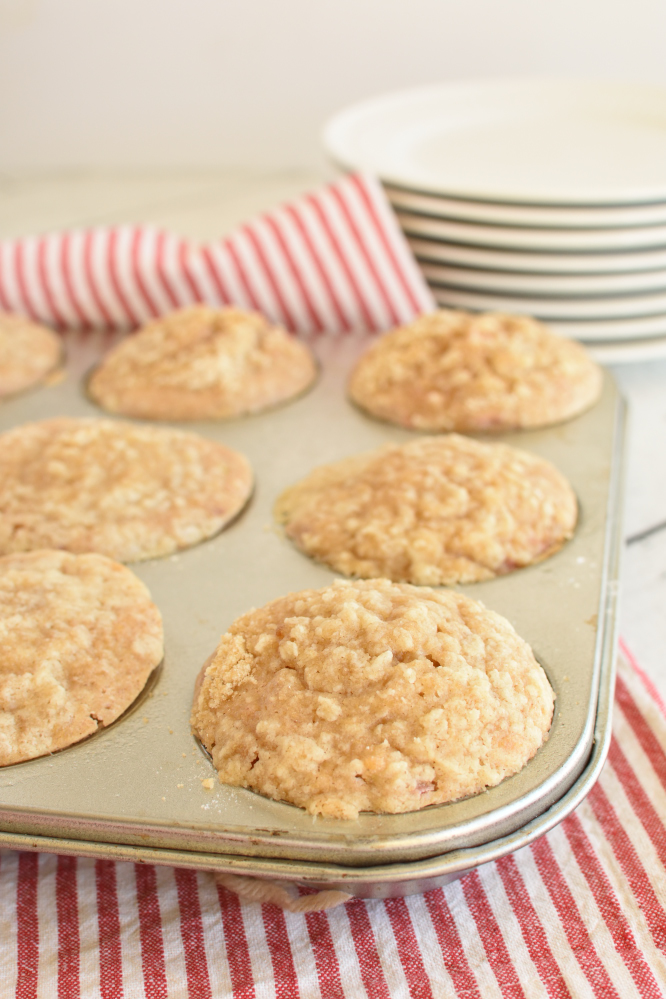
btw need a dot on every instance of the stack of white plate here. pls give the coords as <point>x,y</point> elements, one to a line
<point>542,197</point>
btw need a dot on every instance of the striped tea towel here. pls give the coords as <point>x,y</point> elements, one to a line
<point>333,261</point>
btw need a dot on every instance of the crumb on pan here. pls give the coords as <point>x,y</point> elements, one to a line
<point>453,370</point>
<point>202,363</point>
<point>371,696</point>
<point>79,637</point>
<point>438,510</point>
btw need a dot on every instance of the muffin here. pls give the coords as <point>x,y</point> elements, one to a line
<point>438,510</point>
<point>80,637</point>
<point>453,370</point>
<point>127,491</point>
<point>202,364</point>
<point>28,353</point>
<point>371,696</point>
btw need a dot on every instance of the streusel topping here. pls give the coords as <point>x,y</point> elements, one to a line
<point>127,491</point>
<point>371,696</point>
<point>436,510</point>
<point>28,353</point>
<point>202,363</point>
<point>453,370</point>
<point>79,637</point>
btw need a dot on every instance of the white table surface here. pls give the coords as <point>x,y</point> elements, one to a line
<point>203,205</point>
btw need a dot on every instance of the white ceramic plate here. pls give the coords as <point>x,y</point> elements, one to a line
<point>579,328</point>
<point>630,351</point>
<point>538,262</point>
<point>545,240</point>
<point>536,216</point>
<point>545,285</point>
<point>540,141</point>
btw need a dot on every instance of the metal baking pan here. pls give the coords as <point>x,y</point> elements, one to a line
<point>135,790</point>
<point>378,881</point>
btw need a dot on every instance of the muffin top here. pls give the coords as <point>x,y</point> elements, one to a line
<point>124,490</point>
<point>28,353</point>
<point>371,696</point>
<point>452,370</point>
<point>438,510</point>
<point>202,363</point>
<point>80,637</point>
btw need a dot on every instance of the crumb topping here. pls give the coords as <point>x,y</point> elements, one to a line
<point>436,510</point>
<point>28,352</point>
<point>79,637</point>
<point>452,370</point>
<point>129,492</point>
<point>371,696</point>
<point>202,363</point>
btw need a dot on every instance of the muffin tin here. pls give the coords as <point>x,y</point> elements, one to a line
<point>135,791</point>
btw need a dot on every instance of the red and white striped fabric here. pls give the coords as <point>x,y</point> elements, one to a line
<point>579,913</point>
<point>333,261</point>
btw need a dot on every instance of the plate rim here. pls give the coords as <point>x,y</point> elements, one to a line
<point>439,247</point>
<point>524,216</point>
<point>588,330</point>
<point>528,239</point>
<point>541,285</point>
<point>335,127</point>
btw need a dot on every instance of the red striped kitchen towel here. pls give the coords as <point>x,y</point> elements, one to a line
<point>333,261</point>
<point>580,913</point>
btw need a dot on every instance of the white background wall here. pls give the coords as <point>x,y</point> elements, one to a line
<point>208,83</point>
